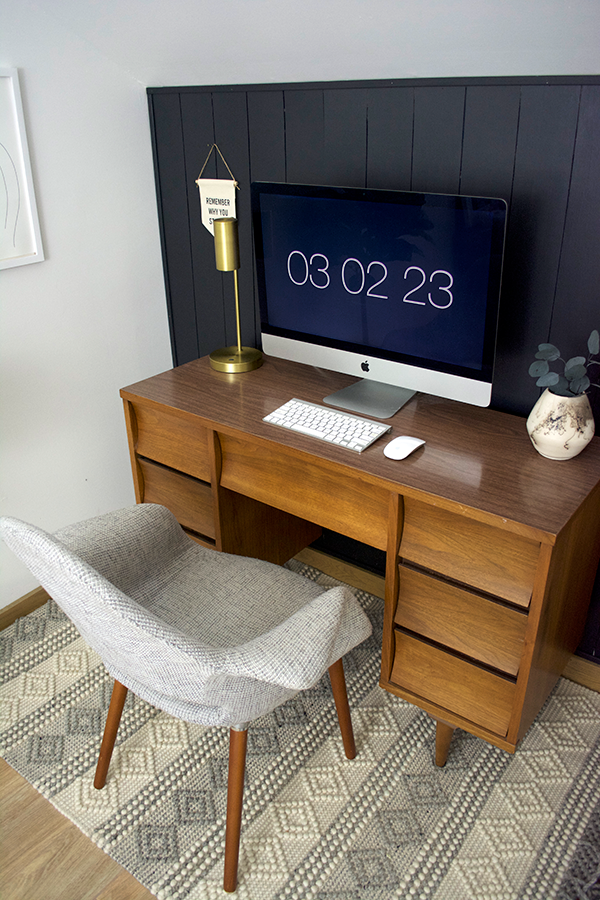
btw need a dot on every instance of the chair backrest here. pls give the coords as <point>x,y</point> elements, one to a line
<point>100,610</point>
<point>127,545</point>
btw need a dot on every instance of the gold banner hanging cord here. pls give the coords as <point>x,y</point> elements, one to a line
<point>215,147</point>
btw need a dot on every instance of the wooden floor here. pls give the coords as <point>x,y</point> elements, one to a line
<point>44,857</point>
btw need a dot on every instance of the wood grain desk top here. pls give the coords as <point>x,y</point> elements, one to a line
<point>477,459</point>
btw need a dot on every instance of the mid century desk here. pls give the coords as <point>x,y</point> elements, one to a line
<point>491,549</point>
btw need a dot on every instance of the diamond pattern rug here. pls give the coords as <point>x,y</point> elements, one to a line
<point>389,824</point>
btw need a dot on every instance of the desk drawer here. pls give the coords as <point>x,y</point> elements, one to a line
<point>173,439</point>
<point>453,684</point>
<point>296,485</point>
<point>488,559</point>
<point>475,626</point>
<point>189,500</point>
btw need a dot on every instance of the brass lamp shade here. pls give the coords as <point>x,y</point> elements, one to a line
<point>227,257</point>
<point>227,245</point>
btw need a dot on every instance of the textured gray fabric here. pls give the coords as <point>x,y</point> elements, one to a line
<point>209,637</point>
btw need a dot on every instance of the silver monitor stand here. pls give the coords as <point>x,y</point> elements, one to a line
<point>371,398</point>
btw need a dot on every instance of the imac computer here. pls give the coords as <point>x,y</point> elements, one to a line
<point>398,288</point>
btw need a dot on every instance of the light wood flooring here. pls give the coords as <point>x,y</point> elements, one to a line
<point>43,856</point>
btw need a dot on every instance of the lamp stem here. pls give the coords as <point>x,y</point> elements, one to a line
<point>227,259</point>
<point>237,311</point>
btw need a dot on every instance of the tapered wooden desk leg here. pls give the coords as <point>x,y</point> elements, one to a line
<point>235,793</point>
<point>443,736</point>
<point>340,695</point>
<point>117,701</point>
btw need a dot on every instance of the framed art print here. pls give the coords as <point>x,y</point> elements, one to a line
<point>20,238</point>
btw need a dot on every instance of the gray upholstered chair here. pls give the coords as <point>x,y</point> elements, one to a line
<point>208,637</point>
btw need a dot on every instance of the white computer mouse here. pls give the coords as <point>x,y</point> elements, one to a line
<point>401,447</point>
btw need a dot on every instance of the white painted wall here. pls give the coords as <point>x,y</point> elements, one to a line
<point>254,41</point>
<point>92,317</point>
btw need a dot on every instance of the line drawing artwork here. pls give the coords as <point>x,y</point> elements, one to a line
<point>8,194</point>
<point>20,237</point>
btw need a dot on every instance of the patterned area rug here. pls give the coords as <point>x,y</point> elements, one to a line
<point>388,824</point>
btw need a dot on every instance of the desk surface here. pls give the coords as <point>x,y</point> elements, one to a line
<point>477,459</point>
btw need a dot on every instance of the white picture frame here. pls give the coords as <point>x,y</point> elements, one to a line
<point>20,236</point>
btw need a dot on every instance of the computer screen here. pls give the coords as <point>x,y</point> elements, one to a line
<point>398,288</point>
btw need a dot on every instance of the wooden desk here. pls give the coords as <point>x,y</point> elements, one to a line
<point>491,549</point>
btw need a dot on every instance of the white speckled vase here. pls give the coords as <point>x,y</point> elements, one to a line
<point>560,427</point>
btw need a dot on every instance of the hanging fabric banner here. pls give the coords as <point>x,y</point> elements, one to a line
<point>217,200</point>
<point>217,195</point>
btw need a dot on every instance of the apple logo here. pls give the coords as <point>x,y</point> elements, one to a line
<point>365,366</point>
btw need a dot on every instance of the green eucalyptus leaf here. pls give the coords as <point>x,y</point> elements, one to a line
<point>580,385</point>
<point>594,342</point>
<point>547,351</point>
<point>561,387</point>
<point>538,368</point>
<point>575,369</point>
<point>549,380</point>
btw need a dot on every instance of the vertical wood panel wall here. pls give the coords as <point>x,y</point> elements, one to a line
<point>535,142</point>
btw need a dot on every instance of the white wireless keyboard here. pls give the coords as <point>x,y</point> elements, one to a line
<point>330,425</point>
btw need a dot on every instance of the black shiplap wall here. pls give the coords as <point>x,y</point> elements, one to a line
<point>533,141</point>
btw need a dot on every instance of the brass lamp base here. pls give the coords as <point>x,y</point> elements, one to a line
<point>233,360</point>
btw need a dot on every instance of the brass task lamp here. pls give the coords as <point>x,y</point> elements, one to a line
<point>227,257</point>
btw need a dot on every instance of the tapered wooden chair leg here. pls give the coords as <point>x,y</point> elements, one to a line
<point>235,793</point>
<point>340,695</point>
<point>443,736</point>
<point>117,701</point>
